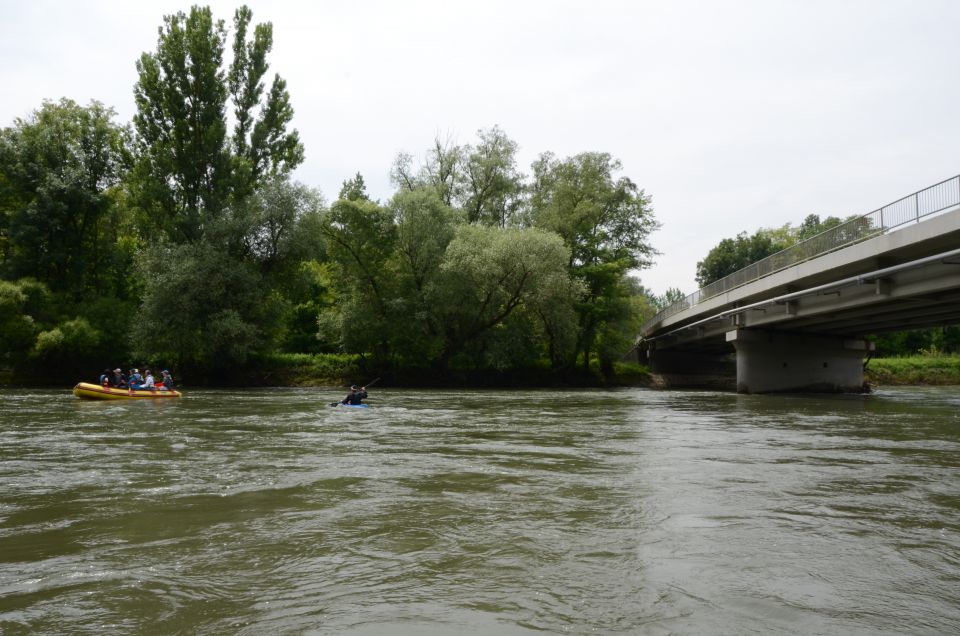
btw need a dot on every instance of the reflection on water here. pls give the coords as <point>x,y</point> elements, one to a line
<point>632,511</point>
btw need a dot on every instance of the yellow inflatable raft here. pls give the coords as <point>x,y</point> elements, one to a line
<point>89,391</point>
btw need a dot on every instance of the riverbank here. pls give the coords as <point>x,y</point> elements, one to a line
<point>340,369</point>
<point>914,370</point>
<point>306,370</point>
<point>312,370</point>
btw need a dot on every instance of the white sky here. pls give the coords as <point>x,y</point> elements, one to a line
<point>733,115</point>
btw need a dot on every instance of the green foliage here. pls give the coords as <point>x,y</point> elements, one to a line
<point>301,369</point>
<point>310,290</point>
<point>480,180</point>
<point>203,309</point>
<point>425,227</point>
<point>629,373</point>
<point>360,238</point>
<point>223,281</point>
<point>618,333</point>
<point>492,188</point>
<point>732,255</point>
<point>487,273</point>
<point>441,171</point>
<point>918,341</point>
<point>189,167</point>
<point>207,258</point>
<point>420,287</point>
<point>937,369</point>
<point>672,295</point>
<point>605,223</point>
<point>17,327</point>
<point>56,224</point>
<point>601,218</point>
<point>279,225</point>
<point>354,189</point>
<point>812,225</point>
<point>72,340</point>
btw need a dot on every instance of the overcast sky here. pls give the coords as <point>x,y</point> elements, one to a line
<point>732,115</point>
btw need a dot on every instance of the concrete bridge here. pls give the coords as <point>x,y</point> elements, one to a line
<point>798,320</point>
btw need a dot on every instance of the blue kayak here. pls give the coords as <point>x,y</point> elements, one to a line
<point>356,406</point>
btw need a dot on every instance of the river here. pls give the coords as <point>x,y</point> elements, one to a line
<point>481,512</point>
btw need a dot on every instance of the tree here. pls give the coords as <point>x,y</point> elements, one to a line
<point>425,226</point>
<point>492,187</point>
<point>190,168</point>
<point>354,189</point>
<point>440,170</point>
<point>203,309</point>
<point>279,225</point>
<point>360,237</point>
<point>481,180</point>
<point>605,221</point>
<point>58,221</point>
<point>488,274</point>
<point>732,255</point>
<point>812,225</point>
<point>17,327</point>
<point>669,297</point>
<point>284,239</point>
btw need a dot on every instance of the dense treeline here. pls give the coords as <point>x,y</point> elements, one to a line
<point>180,238</point>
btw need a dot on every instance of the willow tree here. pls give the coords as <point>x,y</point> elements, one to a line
<point>482,180</point>
<point>191,166</point>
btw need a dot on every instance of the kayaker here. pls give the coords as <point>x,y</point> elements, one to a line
<point>118,380</point>
<point>355,396</point>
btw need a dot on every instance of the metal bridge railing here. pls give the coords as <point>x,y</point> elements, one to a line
<point>912,208</point>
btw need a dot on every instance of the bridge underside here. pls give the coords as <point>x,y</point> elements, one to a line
<point>809,340</point>
<point>768,361</point>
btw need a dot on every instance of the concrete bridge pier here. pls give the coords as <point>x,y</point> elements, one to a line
<point>774,361</point>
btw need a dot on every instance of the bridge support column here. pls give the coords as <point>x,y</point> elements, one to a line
<point>772,361</point>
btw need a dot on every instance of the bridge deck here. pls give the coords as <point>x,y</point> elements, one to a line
<point>837,293</point>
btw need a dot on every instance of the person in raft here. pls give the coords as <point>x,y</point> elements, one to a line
<point>355,396</point>
<point>105,378</point>
<point>118,381</point>
<point>135,380</point>
<point>148,383</point>
<point>166,379</point>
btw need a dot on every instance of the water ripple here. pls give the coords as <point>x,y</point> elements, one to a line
<point>481,512</point>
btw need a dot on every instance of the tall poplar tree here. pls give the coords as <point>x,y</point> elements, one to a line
<point>191,167</point>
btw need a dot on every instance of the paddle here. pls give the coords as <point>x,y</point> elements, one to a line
<point>368,384</point>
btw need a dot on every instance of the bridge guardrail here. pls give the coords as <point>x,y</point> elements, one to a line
<point>911,208</point>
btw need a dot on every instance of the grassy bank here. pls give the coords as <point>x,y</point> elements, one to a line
<point>343,370</point>
<point>938,369</point>
<point>302,369</point>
